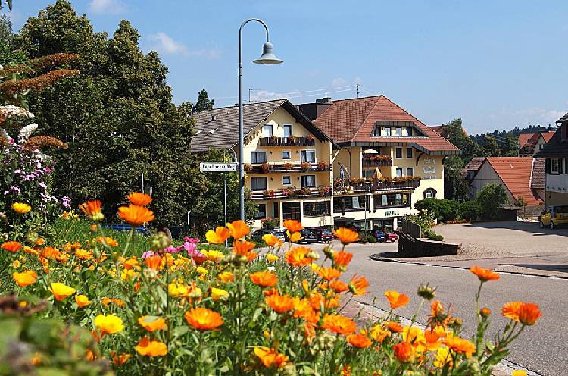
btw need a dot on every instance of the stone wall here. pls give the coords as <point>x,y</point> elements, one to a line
<point>412,247</point>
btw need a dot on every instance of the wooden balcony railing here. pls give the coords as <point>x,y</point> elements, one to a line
<point>267,168</point>
<point>376,161</point>
<point>287,141</point>
<point>382,184</point>
<point>292,192</point>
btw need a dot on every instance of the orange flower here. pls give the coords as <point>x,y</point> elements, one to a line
<point>270,357</point>
<point>238,229</point>
<point>328,273</point>
<point>135,215</point>
<point>379,333</point>
<point>339,324</point>
<point>280,303</point>
<point>146,347</point>
<point>226,277</point>
<point>154,262</point>
<point>264,278</point>
<point>203,319</point>
<point>218,236</point>
<point>341,259</point>
<point>271,240</point>
<point>119,360</point>
<point>338,286</point>
<point>511,310</point>
<point>242,247</point>
<point>525,313</point>
<point>61,292</point>
<point>529,313</point>
<point>299,256</point>
<point>346,235</point>
<point>293,225</point>
<point>484,275</point>
<point>50,253</point>
<point>396,299</point>
<point>394,326</point>
<point>140,199</point>
<point>11,246</point>
<point>358,285</point>
<point>152,323</point>
<point>82,301</point>
<point>437,308</point>
<point>403,351</point>
<point>92,209</point>
<point>23,279</point>
<point>294,237</point>
<point>360,341</point>
<point>460,345</point>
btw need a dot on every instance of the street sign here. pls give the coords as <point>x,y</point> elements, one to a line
<point>217,167</point>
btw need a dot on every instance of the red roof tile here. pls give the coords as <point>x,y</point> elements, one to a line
<point>353,120</point>
<point>515,172</point>
<point>547,135</point>
<point>524,138</point>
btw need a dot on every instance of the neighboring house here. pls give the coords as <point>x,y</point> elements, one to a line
<point>531,143</point>
<point>287,158</point>
<point>472,167</point>
<point>556,154</point>
<point>518,175</point>
<point>384,161</point>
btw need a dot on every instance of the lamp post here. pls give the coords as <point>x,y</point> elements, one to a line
<point>267,57</point>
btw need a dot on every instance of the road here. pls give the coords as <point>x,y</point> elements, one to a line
<point>539,348</point>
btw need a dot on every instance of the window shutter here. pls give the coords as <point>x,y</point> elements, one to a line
<point>547,166</point>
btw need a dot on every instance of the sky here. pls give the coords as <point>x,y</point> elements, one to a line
<point>494,64</point>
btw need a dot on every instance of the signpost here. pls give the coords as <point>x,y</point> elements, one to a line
<point>218,167</point>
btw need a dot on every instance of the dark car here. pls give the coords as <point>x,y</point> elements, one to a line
<point>322,234</point>
<point>380,236</point>
<point>308,236</point>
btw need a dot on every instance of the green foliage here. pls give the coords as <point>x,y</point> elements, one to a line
<point>430,234</point>
<point>203,102</point>
<point>469,210</point>
<point>442,210</point>
<point>490,199</point>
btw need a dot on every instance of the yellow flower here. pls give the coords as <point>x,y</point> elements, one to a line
<point>213,255</point>
<point>443,357</point>
<point>82,301</point>
<point>109,324</point>
<point>61,291</point>
<point>519,372</point>
<point>218,294</point>
<point>16,264</point>
<point>21,207</point>
<point>226,277</point>
<point>26,278</point>
<point>201,270</point>
<point>177,289</point>
<point>271,258</point>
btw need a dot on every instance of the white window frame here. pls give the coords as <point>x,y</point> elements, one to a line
<point>555,171</point>
<point>289,154</point>
<point>409,171</point>
<point>411,153</point>
<point>289,180</point>
<point>395,153</point>
<point>397,170</point>
<point>264,127</point>
<point>284,126</point>
<point>305,152</point>
<point>258,152</point>
<point>304,177</point>
<point>386,131</point>
<point>397,132</point>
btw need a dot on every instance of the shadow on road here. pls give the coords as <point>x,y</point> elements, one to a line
<point>550,267</point>
<point>529,227</point>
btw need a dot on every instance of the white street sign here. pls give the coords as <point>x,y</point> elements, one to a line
<point>217,167</point>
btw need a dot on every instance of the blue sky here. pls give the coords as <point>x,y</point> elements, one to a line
<point>495,64</point>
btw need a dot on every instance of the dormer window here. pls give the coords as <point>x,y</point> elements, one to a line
<point>395,129</point>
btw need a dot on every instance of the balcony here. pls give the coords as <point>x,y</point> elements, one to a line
<point>373,185</point>
<point>376,161</point>
<point>292,192</point>
<point>287,141</point>
<point>289,167</point>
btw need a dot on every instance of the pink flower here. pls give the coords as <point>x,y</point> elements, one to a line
<point>147,254</point>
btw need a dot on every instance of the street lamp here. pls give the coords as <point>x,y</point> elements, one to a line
<point>267,57</point>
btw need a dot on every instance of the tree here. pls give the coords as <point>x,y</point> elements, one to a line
<point>117,116</point>
<point>490,199</point>
<point>455,186</point>
<point>203,102</point>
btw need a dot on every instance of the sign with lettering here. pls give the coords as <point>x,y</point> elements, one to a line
<point>217,167</point>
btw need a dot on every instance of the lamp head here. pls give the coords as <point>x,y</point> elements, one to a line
<point>267,56</point>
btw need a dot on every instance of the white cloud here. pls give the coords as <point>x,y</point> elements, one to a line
<point>107,6</point>
<point>165,44</point>
<point>265,95</point>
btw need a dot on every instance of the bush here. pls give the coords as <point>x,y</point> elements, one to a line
<point>490,199</point>
<point>469,210</point>
<point>443,210</point>
<point>430,234</point>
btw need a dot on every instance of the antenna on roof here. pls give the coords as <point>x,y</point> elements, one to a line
<point>357,91</point>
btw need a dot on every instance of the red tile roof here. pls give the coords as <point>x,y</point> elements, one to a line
<point>547,135</point>
<point>353,121</point>
<point>515,172</point>
<point>524,138</point>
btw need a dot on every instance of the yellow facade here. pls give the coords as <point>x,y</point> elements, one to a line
<point>273,161</point>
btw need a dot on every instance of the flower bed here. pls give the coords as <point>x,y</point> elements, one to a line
<point>201,309</point>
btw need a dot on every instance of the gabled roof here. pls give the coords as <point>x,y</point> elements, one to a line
<point>352,121</point>
<point>547,135</point>
<point>555,148</point>
<point>524,138</point>
<point>219,128</point>
<point>474,165</point>
<point>515,172</point>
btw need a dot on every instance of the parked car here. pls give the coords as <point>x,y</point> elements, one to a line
<point>308,236</point>
<point>380,236</point>
<point>126,227</point>
<point>554,216</point>
<point>322,234</point>
<point>392,237</point>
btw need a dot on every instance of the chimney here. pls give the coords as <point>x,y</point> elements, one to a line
<point>314,110</point>
<point>324,100</point>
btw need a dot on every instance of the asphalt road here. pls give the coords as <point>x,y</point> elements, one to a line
<point>541,348</point>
